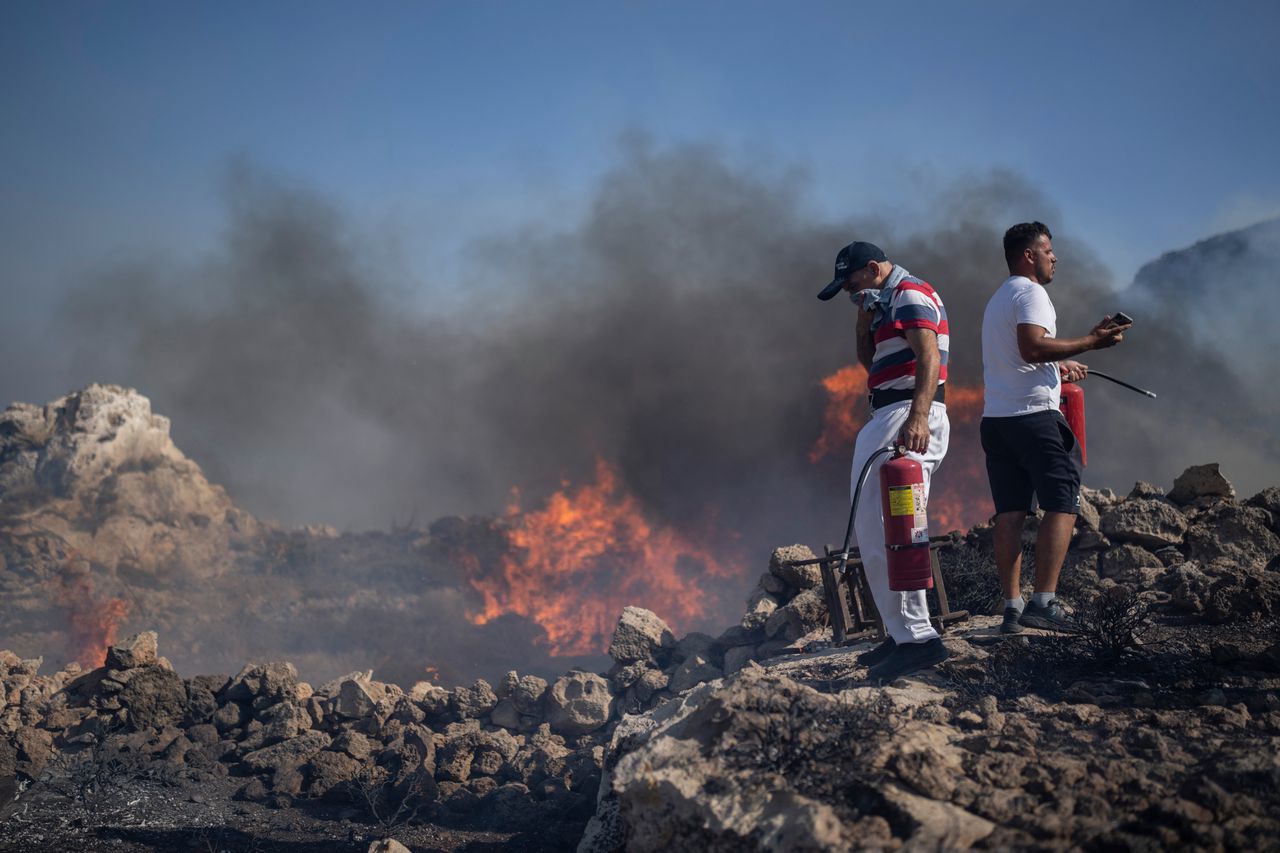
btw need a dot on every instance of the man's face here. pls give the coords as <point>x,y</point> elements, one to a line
<point>862,279</point>
<point>1043,259</point>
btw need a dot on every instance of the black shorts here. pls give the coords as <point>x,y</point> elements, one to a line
<point>1033,454</point>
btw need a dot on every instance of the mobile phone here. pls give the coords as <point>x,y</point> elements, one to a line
<point>1120,319</point>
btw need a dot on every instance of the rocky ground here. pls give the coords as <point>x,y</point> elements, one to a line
<point>1158,725</point>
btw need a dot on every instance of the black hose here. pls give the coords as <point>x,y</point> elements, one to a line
<point>853,509</point>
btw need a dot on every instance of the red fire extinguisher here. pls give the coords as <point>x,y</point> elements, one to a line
<point>1072,406</point>
<point>906,524</point>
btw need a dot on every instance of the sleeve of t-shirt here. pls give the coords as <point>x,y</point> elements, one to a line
<point>1033,306</point>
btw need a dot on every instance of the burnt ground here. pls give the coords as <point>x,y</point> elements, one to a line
<point>138,814</point>
<point>1161,738</point>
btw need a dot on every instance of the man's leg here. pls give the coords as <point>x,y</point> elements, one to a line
<point>1011,493</point>
<point>1052,542</point>
<point>918,644</point>
<point>1057,483</point>
<point>905,614</point>
<point>1007,539</point>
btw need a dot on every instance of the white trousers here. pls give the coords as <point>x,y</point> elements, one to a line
<point>905,614</point>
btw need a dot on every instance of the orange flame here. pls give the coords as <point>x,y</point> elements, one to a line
<point>847,410</point>
<point>94,622</point>
<point>590,552</point>
<point>432,673</point>
<point>959,496</point>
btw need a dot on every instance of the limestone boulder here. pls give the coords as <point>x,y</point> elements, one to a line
<point>138,650</point>
<point>1147,521</point>
<point>578,703</point>
<point>693,671</point>
<point>1201,481</point>
<point>782,565</point>
<point>641,635</point>
<point>1234,532</point>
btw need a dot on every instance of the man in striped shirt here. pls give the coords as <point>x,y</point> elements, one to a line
<point>902,340</point>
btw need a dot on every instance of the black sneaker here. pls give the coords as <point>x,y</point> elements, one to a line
<point>1049,617</point>
<point>1010,624</point>
<point>877,654</point>
<point>908,658</point>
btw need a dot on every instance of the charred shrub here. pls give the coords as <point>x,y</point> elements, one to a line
<point>1115,622</point>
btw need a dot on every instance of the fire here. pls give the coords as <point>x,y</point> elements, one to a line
<point>847,410</point>
<point>587,554</point>
<point>432,673</point>
<point>959,496</point>
<point>95,621</point>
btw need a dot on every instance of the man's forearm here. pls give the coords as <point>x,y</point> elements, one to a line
<point>927,366</point>
<point>1054,349</point>
<point>865,339</point>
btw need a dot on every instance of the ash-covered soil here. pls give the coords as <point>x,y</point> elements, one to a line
<point>140,813</point>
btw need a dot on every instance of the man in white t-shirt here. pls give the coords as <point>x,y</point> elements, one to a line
<point>1026,439</point>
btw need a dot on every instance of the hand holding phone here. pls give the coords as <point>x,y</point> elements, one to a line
<point>1120,319</point>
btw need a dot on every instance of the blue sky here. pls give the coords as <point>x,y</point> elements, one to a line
<point>1146,126</point>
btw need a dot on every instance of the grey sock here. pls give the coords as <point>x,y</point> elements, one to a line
<point>1042,599</point>
<point>1017,604</point>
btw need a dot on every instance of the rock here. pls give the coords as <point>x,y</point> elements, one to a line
<point>433,699</point>
<point>278,682</point>
<point>1240,534</point>
<point>1268,499</point>
<point>154,696</point>
<point>578,703</point>
<point>640,635</point>
<point>34,749</point>
<point>696,644</point>
<point>939,825</point>
<point>1201,481</point>
<point>736,658</point>
<point>1088,517</point>
<point>693,671</point>
<point>527,693</point>
<point>761,606</point>
<point>387,845</point>
<point>353,744</point>
<point>138,650</point>
<point>474,701</point>
<point>287,753</point>
<point>1130,564</point>
<point>358,698</point>
<point>804,613</point>
<point>1145,490</point>
<point>330,772</point>
<point>1149,522</point>
<point>781,565</point>
<point>504,714</point>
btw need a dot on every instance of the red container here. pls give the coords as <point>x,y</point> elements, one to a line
<point>1073,410</point>
<point>906,524</point>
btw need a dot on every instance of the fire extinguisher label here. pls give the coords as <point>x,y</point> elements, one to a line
<point>919,535</point>
<point>902,500</point>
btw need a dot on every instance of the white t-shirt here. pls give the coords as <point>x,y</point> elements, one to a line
<point>1015,386</point>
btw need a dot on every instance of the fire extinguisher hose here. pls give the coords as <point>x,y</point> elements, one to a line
<point>853,509</point>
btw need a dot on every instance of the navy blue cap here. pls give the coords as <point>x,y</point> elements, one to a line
<point>852,258</point>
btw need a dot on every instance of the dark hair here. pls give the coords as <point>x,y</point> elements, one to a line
<point>1021,237</point>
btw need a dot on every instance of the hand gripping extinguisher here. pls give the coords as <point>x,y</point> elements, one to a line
<point>906,525</point>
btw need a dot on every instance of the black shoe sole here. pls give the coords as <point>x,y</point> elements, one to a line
<point>1010,628</point>
<point>876,655</point>
<point>914,667</point>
